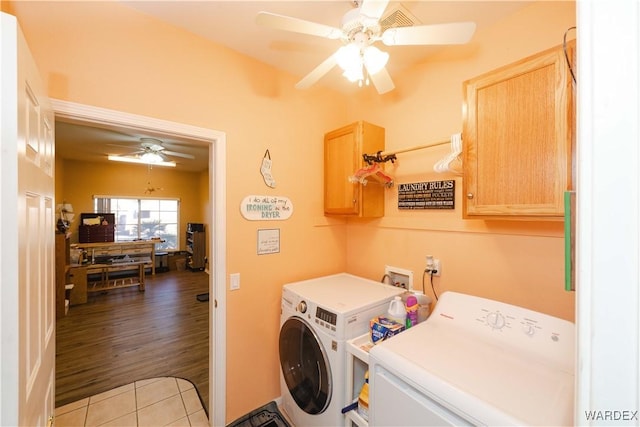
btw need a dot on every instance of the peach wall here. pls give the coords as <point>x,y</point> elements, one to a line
<point>516,262</point>
<point>104,54</point>
<point>82,180</point>
<point>107,55</point>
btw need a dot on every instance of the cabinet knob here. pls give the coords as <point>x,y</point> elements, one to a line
<point>354,201</point>
<point>469,195</point>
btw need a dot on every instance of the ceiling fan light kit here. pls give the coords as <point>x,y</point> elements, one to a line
<point>140,160</point>
<point>374,59</point>
<point>360,29</point>
<point>151,153</point>
<point>151,157</point>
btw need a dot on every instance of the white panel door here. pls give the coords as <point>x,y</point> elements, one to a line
<point>27,230</point>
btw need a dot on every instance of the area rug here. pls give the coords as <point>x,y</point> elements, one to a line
<point>266,416</point>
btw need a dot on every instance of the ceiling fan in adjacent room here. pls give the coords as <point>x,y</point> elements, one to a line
<point>361,28</point>
<point>152,152</point>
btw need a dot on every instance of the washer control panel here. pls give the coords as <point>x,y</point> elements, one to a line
<point>507,326</point>
<point>326,319</point>
<point>309,311</point>
<point>502,321</point>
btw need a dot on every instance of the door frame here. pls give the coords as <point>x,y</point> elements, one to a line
<point>86,114</point>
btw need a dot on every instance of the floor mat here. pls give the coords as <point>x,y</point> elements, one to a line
<point>266,416</point>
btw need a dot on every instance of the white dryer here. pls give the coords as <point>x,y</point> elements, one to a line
<point>318,317</point>
<point>475,362</point>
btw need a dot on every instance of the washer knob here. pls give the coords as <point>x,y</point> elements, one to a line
<point>495,320</point>
<point>302,307</point>
<point>528,329</point>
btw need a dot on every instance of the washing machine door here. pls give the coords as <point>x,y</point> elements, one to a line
<point>305,366</point>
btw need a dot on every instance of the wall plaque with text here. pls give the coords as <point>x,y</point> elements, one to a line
<point>427,195</point>
<point>266,208</point>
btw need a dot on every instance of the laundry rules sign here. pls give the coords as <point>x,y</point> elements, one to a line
<point>427,195</point>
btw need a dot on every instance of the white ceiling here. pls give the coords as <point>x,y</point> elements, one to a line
<point>89,143</point>
<point>232,24</point>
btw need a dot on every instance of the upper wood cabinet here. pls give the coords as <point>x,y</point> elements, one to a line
<point>343,150</point>
<point>517,137</point>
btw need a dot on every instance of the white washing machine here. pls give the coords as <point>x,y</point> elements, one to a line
<point>475,362</point>
<point>318,317</point>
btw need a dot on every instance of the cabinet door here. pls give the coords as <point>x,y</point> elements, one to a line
<point>517,139</point>
<point>343,149</point>
<point>340,161</point>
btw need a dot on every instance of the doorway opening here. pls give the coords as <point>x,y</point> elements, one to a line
<point>216,218</point>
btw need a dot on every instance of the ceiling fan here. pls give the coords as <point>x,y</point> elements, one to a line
<point>154,146</point>
<point>360,30</point>
<point>153,151</point>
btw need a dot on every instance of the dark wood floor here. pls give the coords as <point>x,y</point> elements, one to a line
<point>126,335</point>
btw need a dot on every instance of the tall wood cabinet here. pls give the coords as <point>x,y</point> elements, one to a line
<point>343,150</point>
<point>518,139</point>
<point>62,266</point>
<point>196,246</point>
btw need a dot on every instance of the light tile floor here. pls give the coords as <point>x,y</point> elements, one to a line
<point>165,401</point>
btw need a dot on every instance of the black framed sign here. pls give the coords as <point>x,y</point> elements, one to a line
<point>427,195</point>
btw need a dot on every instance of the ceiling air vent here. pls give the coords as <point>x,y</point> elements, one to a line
<point>398,16</point>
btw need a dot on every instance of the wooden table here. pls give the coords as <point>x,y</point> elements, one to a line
<point>80,273</point>
<point>105,283</point>
<point>137,248</point>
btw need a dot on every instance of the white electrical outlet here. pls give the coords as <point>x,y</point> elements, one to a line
<point>433,264</point>
<point>399,277</point>
<point>234,281</point>
<point>437,267</point>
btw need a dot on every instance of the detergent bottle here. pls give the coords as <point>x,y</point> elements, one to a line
<point>412,311</point>
<point>397,312</point>
<point>363,398</point>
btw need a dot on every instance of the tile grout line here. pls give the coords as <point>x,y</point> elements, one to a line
<point>184,406</point>
<point>180,392</point>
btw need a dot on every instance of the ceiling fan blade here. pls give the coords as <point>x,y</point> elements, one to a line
<point>317,73</point>
<point>176,154</point>
<point>287,23</point>
<point>453,33</point>
<point>382,81</point>
<point>129,147</point>
<point>373,8</point>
